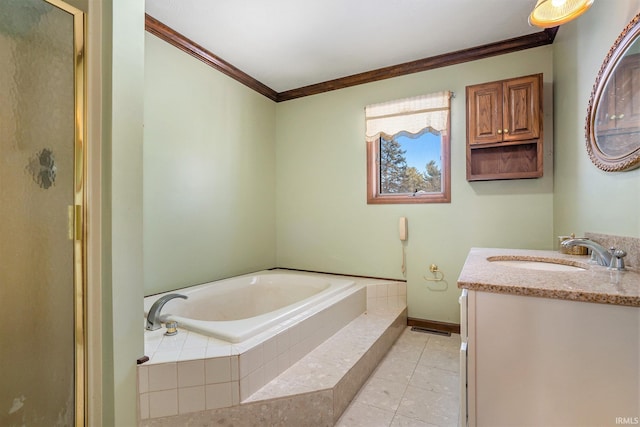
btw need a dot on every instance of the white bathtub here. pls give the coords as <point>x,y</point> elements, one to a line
<point>236,370</point>
<point>239,308</point>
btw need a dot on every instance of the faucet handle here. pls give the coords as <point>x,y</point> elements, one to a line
<point>617,259</point>
<point>172,328</point>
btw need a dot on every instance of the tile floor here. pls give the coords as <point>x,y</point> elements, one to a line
<point>415,385</point>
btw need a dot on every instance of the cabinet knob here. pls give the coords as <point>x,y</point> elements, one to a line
<point>506,131</point>
<point>613,117</point>
<point>621,116</point>
<point>499,131</point>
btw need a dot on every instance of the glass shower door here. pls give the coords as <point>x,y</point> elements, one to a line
<point>41,210</point>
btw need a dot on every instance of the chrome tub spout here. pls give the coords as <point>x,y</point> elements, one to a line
<point>153,318</point>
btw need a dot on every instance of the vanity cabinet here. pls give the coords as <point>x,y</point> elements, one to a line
<point>504,129</point>
<point>534,361</point>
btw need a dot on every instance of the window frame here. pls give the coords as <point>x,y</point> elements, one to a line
<point>374,197</point>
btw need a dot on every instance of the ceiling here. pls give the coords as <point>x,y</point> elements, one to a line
<point>288,44</point>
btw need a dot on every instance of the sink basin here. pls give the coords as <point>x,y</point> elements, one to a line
<point>535,264</point>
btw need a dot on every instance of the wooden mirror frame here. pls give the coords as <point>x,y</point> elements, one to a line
<point>630,160</point>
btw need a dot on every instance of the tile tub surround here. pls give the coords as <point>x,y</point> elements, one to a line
<point>191,373</point>
<point>594,284</point>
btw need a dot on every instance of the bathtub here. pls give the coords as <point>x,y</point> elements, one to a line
<point>237,309</point>
<point>218,373</point>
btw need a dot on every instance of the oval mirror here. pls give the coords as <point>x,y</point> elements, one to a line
<point>613,115</point>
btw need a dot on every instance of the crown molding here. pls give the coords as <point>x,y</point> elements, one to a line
<point>515,44</point>
<point>186,45</point>
<point>472,54</point>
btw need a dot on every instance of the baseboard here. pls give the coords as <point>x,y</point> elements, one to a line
<point>435,325</point>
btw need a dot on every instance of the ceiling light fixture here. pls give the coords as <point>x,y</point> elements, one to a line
<point>551,13</point>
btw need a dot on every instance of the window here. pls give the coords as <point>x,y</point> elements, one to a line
<point>408,150</point>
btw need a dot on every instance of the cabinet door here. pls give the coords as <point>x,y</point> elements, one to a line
<point>484,113</point>
<point>521,113</point>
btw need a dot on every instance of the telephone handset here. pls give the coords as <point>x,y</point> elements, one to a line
<point>402,228</point>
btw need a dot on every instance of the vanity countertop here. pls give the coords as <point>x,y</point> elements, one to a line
<point>593,284</point>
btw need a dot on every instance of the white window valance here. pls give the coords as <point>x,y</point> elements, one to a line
<point>410,115</point>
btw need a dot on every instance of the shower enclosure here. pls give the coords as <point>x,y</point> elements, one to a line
<point>42,199</point>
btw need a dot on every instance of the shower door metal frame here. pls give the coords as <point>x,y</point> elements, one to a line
<point>77,212</point>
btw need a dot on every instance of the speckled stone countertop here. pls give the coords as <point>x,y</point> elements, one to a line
<point>593,284</point>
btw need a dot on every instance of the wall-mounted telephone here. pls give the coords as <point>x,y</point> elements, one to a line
<point>402,228</point>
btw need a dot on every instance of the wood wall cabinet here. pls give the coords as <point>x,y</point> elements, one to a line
<point>504,129</point>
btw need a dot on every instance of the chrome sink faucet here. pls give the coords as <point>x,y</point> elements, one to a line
<point>598,253</point>
<point>153,317</point>
<point>612,258</point>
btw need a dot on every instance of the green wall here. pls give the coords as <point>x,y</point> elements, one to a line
<point>122,62</point>
<point>209,173</point>
<point>586,198</point>
<point>323,220</point>
<point>216,204</point>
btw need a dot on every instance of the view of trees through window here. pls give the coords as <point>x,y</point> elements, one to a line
<point>411,163</point>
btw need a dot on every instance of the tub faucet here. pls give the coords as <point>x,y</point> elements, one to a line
<point>153,317</point>
<point>598,253</point>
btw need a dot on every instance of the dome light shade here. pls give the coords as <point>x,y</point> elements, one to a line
<point>551,13</point>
